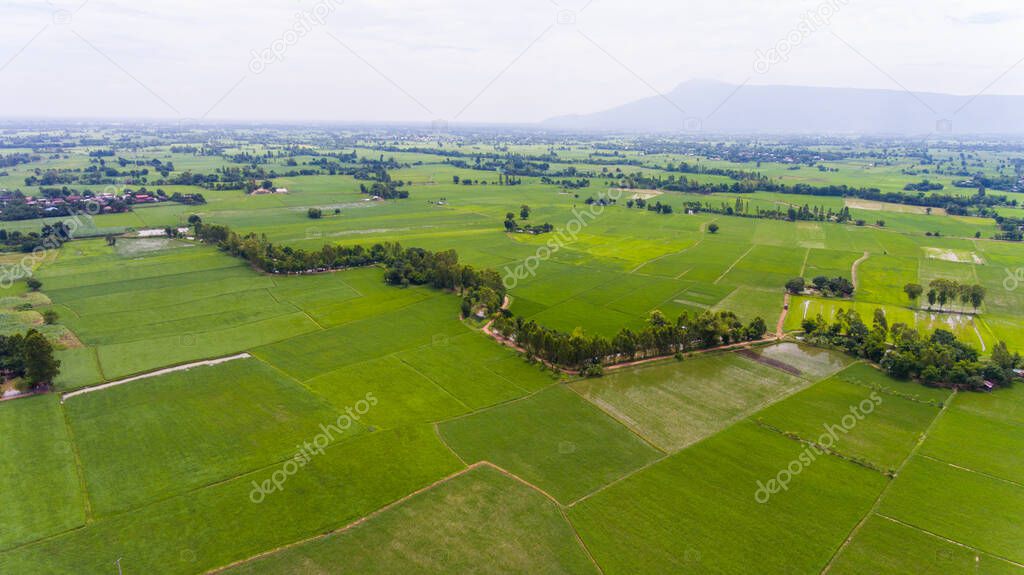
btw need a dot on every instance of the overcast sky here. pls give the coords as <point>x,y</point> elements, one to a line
<point>477,60</point>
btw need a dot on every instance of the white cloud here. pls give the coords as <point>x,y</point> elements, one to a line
<point>122,58</point>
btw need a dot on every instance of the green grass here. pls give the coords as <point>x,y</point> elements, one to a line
<point>481,521</point>
<point>676,404</point>
<point>696,512</point>
<point>886,430</point>
<point>41,494</point>
<point>403,395</point>
<point>961,505</point>
<point>220,524</point>
<point>157,437</point>
<point>553,439</point>
<point>973,435</point>
<point>884,546</point>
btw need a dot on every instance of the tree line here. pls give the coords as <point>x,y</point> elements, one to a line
<point>943,291</point>
<point>659,337</point>
<point>481,289</point>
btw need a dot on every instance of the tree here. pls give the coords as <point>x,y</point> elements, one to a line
<point>50,317</point>
<point>795,285</point>
<point>455,179</point>
<point>314,213</point>
<point>33,284</point>
<point>194,219</point>
<point>40,365</point>
<point>913,291</point>
<point>976,296</point>
<point>756,329</point>
<point>820,282</point>
<point>713,228</point>
<point>524,211</point>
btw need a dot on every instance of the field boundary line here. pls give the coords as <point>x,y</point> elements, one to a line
<point>729,269</point>
<point>155,373</point>
<point>561,509</point>
<point>662,256</point>
<point>236,294</point>
<point>975,471</point>
<point>856,264</point>
<point>803,266</point>
<point>437,432</point>
<point>171,286</point>
<point>351,524</point>
<point>497,405</point>
<point>881,495</point>
<point>79,470</point>
<point>631,428</point>
<point>947,539</point>
<point>431,380</point>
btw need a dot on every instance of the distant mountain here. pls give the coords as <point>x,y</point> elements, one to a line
<point>711,106</point>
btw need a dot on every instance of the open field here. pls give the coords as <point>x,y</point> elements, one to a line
<point>553,439</point>
<point>482,520</point>
<point>674,405</point>
<point>460,454</point>
<point>697,509</point>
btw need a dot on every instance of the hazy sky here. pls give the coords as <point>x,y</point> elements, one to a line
<point>477,60</point>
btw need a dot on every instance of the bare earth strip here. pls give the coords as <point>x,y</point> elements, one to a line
<point>853,269</point>
<point>166,370</point>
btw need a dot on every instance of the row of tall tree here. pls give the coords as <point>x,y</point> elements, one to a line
<point>944,291</point>
<point>658,337</point>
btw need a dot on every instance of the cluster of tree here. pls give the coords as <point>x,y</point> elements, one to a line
<point>659,337</point>
<point>1001,183</point>
<point>28,356</point>
<point>923,186</point>
<point>11,160</point>
<point>566,183</point>
<point>657,206</point>
<point>1011,229</point>
<point>512,226</point>
<point>51,236</point>
<point>943,291</point>
<point>388,190</point>
<point>741,208</point>
<point>826,286</point>
<point>940,359</point>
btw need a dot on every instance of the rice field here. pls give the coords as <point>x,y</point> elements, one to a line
<point>471,457</point>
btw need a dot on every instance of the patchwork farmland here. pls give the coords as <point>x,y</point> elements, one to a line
<point>234,404</point>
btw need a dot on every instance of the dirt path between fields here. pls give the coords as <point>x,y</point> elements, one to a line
<point>782,316</point>
<point>163,371</point>
<point>853,269</point>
